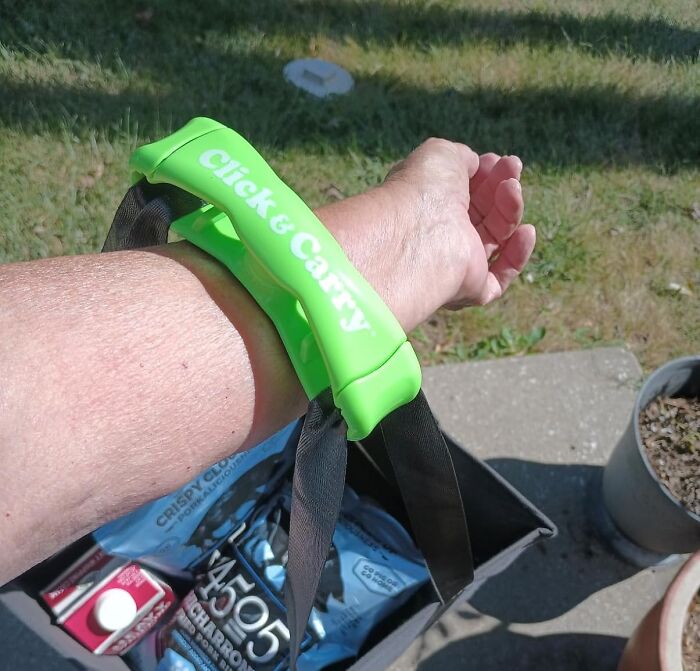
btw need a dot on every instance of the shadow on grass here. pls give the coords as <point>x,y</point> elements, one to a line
<point>549,126</point>
<point>373,22</point>
<point>180,48</point>
<point>430,24</point>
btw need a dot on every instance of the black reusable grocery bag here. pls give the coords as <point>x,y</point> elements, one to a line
<point>502,524</point>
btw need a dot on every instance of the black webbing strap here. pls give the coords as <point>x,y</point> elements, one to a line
<point>144,216</point>
<point>317,492</point>
<point>411,445</point>
<point>429,488</point>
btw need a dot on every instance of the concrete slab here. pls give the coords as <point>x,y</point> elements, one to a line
<point>547,423</point>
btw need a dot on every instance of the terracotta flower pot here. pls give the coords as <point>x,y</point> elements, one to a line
<point>657,644</point>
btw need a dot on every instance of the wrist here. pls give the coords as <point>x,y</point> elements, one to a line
<point>368,228</point>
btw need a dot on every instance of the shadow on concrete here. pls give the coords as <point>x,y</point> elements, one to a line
<point>501,649</point>
<point>554,577</point>
<point>198,65</point>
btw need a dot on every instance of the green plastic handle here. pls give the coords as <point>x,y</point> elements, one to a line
<point>335,328</point>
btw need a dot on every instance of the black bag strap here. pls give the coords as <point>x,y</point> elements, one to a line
<point>411,443</point>
<point>429,487</point>
<point>317,492</point>
<point>144,216</point>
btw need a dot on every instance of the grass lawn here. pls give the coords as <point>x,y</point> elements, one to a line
<point>601,99</point>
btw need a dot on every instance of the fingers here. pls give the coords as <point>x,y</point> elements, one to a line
<point>481,200</point>
<point>486,164</point>
<point>510,263</point>
<point>503,217</point>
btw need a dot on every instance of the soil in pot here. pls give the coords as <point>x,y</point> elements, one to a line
<point>670,432</point>
<point>691,637</point>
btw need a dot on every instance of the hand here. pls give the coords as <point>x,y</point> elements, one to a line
<point>443,230</point>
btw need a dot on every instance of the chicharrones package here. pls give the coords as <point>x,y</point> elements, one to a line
<point>235,617</point>
<point>178,531</point>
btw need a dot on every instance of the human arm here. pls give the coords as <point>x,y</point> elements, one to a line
<point>125,374</point>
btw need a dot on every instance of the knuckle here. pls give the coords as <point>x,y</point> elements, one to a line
<point>490,157</point>
<point>438,143</point>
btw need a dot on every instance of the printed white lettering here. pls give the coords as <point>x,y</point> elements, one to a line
<point>304,246</point>
<point>261,201</point>
<point>317,267</point>
<point>201,618</point>
<point>343,300</point>
<point>229,167</point>
<point>280,224</point>
<point>207,156</point>
<point>356,323</point>
<point>232,179</point>
<point>331,281</point>
<point>245,188</point>
<point>296,245</point>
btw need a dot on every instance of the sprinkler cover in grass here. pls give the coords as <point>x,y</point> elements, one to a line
<point>318,77</point>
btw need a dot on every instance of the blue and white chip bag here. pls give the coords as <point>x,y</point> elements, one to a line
<point>177,531</point>
<point>235,618</point>
<point>171,661</point>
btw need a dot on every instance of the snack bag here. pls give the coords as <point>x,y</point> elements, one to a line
<point>235,617</point>
<point>179,530</point>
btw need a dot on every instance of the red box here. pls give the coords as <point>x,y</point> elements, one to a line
<point>77,599</point>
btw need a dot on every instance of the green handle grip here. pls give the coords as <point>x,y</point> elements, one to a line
<point>334,326</point>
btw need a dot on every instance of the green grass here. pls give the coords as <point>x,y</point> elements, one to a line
<point>600,99</point>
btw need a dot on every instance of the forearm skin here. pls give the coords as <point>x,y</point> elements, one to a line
<point>122,376</point>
